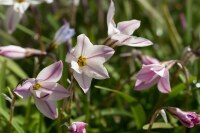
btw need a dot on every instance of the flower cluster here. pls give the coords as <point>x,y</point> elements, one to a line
<point>86,62</point>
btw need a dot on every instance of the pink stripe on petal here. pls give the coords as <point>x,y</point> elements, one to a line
<point>51,73</point>
<point>83,80</point>
<point>56,91</point>
<point>164,84</point>
<point>47,108</point>
<point>128,27</point>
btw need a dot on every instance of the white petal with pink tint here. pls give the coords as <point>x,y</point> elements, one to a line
<point>48,108</point>
<point>128,27</point>
<point>23,90</point>
<point>13,52</point>
<point>83,80</point>
<point>100,53</point>
<point>130,40</point>
<point>12,19</point>
<point>96,70</point>
<point>83,46</point>
<point>51,73</point>
<point>7,2</point>
<point>55,91</point>
<point>164,84</point>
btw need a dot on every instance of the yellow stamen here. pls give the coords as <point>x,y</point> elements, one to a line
<point>36,86</point>
<point>20,1</point>
<point>81,61</point>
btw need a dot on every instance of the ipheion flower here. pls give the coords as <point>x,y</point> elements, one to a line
<point>87,61</point>
<point>45,90</point>
<point>77,127</point>
<point>188,119</point>
<point>121,34</point>
<point>154,73</point>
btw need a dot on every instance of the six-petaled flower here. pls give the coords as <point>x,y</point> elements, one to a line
<point>45,90</point>
<point>87,61</point>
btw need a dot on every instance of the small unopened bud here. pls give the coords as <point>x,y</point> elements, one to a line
<point>17,52</point>
<point>77,127</point>
<point>188,119</point>
<point>63,34</point>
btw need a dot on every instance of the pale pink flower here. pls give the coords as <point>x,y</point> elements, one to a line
<point>153,74</point>
<point>148,60</point>
<point>188,119</point>
<point>77,127</point>
<point>120,34</point>
<point>17,52</point>
<point>16,10</point>
<point>87,61</point>
<point>45,90</point>
<point>63,34</point>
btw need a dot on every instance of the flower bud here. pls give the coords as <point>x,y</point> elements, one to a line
<point>188,119</point>
<point>77,127</point>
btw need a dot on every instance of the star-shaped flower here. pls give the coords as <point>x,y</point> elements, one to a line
<point>87,61</point>
<point>121,34</point>
<point>45,90</point>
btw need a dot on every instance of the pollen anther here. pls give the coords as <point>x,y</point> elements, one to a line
<point>36,86</point>
<point>81,61</point>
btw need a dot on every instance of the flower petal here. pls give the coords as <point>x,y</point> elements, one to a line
<point>63,34</point>
<point>95,70</point>
<point>70,57</point>
<point>47,108</point>
<point>163,83</point>
<point>146,74</point>
<point>21,7</point>
<point>6,2</point>
<point>110,23</point>
<point>23,90</point>
<point>51,73</point>
<point>54,91</point>
<point>13,52</point>
<point>75,67</point>
<point>83,80</point>
<point>100,53</point>
<point>12,19</point>
<point>143,85</point>
<point>149,60</point>
<point>128,27</point>
<point>83,46</point>
<point>130,40</point>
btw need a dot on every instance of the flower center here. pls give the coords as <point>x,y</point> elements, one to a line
<point>36,86</point>
<point>81,61</point>
<point>20,1</point>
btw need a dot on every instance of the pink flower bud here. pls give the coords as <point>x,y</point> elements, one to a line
<point>77,127</point>
<point>16,52</point>
<point>188,119</point>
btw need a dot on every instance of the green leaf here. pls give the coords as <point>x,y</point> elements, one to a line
<point>14,122</point>
<point>139,115</point>
<point>158,125</point>
<point>15,68</point>
<point>127,97</point>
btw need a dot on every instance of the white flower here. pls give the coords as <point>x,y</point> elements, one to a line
<point>120,34</point>
<point>16,11</point>
<point>87,61</point>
